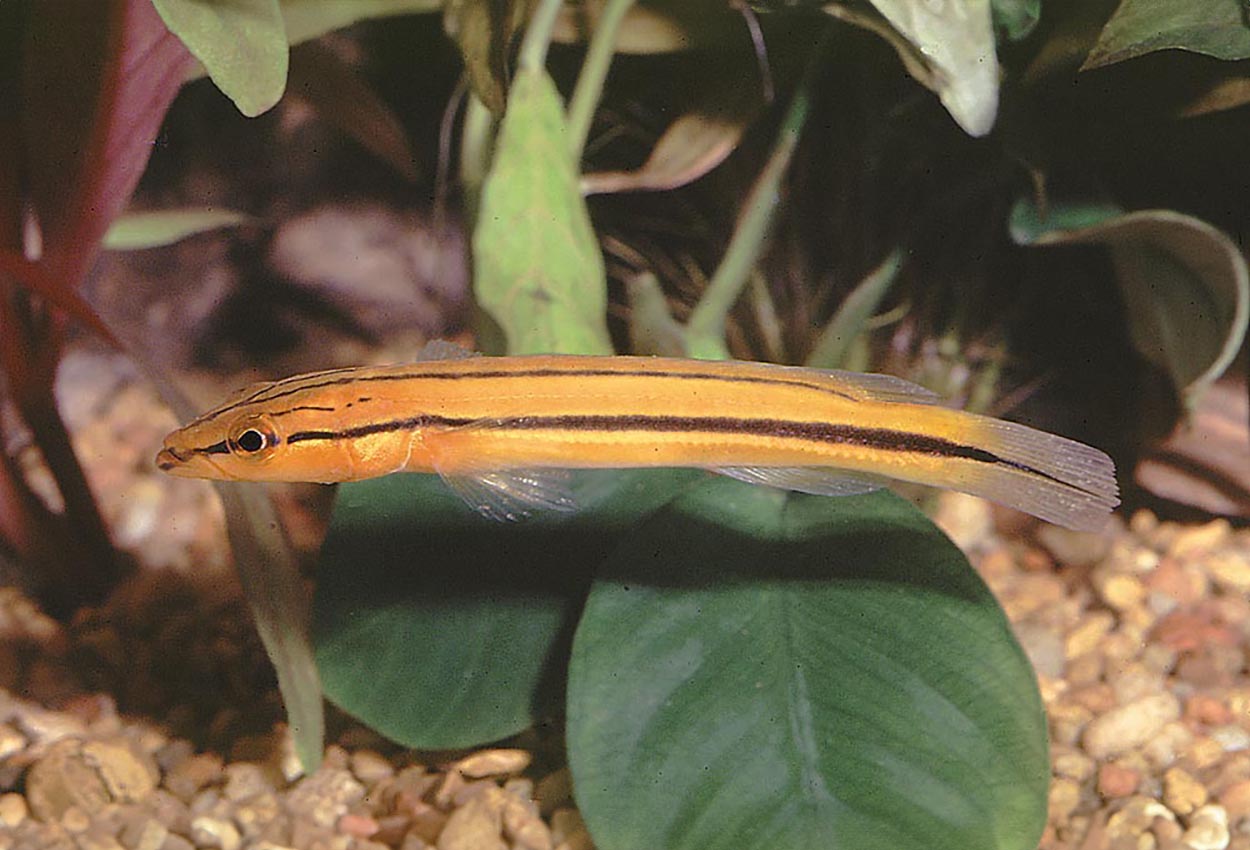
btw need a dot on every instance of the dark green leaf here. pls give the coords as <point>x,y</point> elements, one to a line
<point>1214,27</point>
<point>1016,18</point>
<point>761,671</point>
<point>440,628</point>
<point>538,270</point>
<point>1185,283</point>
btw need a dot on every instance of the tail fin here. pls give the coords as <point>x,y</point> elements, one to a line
<point>1051,477</point>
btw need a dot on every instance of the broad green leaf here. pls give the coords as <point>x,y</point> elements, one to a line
<point>242,44</point>
<point>1215,27</point>
<point>538,270</point>
<point>440,628</point>
<point>1016,18</point>
<point>484,30</point>
<point>133,231</point>
<point>1185,283</point>
<point>309,19</point>
<point>956,38</point>
<point>801,673</point>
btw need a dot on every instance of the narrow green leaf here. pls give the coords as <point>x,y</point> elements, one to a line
<point>242,44</point>
<point>137,230</point>
<point>275,592</point>
<point>1185,283</point>
<point>705,332</point>
<point>1215,27</point>
<point>801,673</point>
<point>838,337</point>
<point>440,628</point>
<point>956,38</point>
<point>537,265</point>
<point>652,328</point>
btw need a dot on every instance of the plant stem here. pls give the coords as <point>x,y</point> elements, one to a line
<point>706,328</point>
<point>590,81</point>
<point>533,56</point>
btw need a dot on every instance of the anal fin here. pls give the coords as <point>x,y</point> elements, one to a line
<point>511,495</point>
<point>817,480</point>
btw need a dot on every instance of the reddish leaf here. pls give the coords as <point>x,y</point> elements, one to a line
<point>97,79</point>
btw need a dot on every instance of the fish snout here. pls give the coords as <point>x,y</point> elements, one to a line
<point>168,459</point>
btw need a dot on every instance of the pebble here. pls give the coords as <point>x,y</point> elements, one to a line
<point>1115,780</point>
<point>13,809</point>
<point>477,825</point>
<point>1130,726</point>
<point>500,762</point>
<point>215,832</point>
<point>1181,792</point>
<point>1208,829</point>
<point>1236,799</point>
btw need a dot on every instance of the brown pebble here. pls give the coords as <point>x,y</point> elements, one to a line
<point>497,762</point>
<point>144,834</point>
<point>370,767</point>
<point>1129,726</point>
<point>12,809</point>
<point>1115,781</point>
<point>215,832</point>
<point>88,775</point>
<point>358,826</point>
<point>477,825</point>
<point>1181,792</point>
<point>191,774</point>
<point>1207,710</point>
<point>1236,800</point>
<point>1121,592</point>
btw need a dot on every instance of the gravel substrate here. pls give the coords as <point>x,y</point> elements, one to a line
<point>152,722</point>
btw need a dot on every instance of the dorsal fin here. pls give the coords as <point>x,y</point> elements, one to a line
<point>441,349</point>
<point>876,387</point>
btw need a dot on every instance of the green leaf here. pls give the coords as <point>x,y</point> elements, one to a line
<point>275,592</point>
<point>309,19</point>
<point>242,44</point>
<point>1185,283</point>
<point>440,628</point>
<point>538,270</point>
<point>1016,18</point>
<point>847,325</point>
<point>1215,27</point>
<point>956,39</point>
<point>760,671</point>
<point>137,230</point>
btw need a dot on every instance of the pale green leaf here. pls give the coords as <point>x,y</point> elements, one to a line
<point>242,44</point>
<point>152,229</point>
<point>309,19</point>
<point>1215,27</point>
<point>956,39</point>
<point>538,270</point>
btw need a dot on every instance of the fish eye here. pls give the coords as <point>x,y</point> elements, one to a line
<point>253,436</point>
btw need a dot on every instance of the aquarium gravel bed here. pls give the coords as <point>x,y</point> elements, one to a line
<point>1139,637</point>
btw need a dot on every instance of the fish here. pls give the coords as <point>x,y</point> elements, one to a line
<point>505,432</point>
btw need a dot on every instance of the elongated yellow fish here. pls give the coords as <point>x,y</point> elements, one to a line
<point>503,431</point>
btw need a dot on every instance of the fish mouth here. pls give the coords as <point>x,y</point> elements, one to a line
<point>168,459</point>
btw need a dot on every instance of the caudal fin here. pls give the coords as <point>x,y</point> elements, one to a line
<point>1051,477</point>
